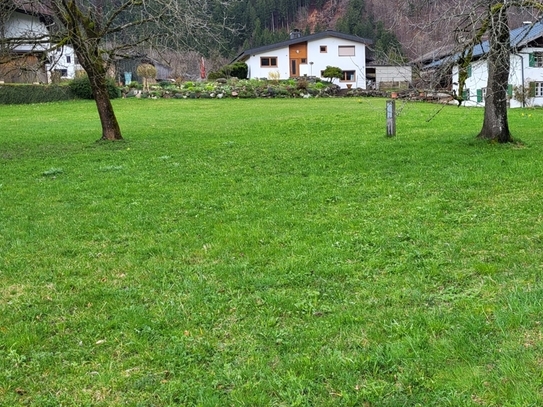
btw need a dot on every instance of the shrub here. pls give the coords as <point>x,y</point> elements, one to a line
<point>146,71</point>
<point>81,88</point>
<point>302,84</point>
<point>236,70</point>
<point>332,72</point>
<point>319,85</point>
<point>274,76</point>
<point>239,70</point>
<point>25,94</point>
<point>212,76</point>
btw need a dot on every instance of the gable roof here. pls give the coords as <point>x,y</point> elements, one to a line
<point>519,37</point>
<point>38,9</point>
<point>303,38</point>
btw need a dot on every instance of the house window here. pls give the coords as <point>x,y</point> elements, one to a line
<point>68,59</point>
<point>324,49</point>
<point>303,61</point>
<point>346,51</point>
<point>465,70</point>
<point>536,89</point>
<point>466,94</point>
<point>536,60</point>
<point>481,95</point>
<point>348,76</point>
<point>268,62</point>
<point>63,72</point>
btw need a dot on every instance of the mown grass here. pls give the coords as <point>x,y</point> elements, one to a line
<point>269,253</point>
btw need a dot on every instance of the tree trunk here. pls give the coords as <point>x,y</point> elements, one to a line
<point>495,124</point>
<point>110,126</point>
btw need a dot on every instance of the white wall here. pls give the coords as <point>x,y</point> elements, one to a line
<point>393,74</point>
<point>64,60</point>
<point>477,80</point>
<point>531,74</point>
<point>255,71</point>
<point>21,25</point>
<point>320,60</point>
<point>520,73</point>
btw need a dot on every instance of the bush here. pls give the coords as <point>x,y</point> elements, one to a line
<point>236,70</point>
<point>302,84</point>
<point>26,94</point>
<point>239,70</point>
<point>215,75</point>
<point>332,72</point>
<point>81,88</point>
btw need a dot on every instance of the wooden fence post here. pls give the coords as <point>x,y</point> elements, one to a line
<point>391,118</point>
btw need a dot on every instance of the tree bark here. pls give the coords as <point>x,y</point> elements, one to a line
<point>94,66</point>
<point>110,126</point>
<point>495,123</point>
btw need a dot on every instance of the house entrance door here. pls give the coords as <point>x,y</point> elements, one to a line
<point>297,56</point>
<point>293,68</point>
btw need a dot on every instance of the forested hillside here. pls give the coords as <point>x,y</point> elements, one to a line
<point>261,22</point>
<point>399,28</point>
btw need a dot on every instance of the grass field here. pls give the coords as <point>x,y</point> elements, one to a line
<point>269,253</point>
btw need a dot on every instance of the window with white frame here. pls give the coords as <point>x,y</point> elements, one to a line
<point>63,72</point>
<point>538,89</point>
<point>536,59</point>
<point>348,76</point>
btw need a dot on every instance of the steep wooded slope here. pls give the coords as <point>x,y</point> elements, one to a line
<point>419,25</point>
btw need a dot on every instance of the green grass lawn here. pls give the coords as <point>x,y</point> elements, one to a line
<point>269,253</point>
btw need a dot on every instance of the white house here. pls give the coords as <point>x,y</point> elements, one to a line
<point>526,72</point>
<point>63,61</point>
<point>25,31</point>
<point>309,56</point>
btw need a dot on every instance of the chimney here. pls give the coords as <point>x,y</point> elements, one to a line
<point>295,34</point>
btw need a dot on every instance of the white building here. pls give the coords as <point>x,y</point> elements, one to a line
<point>526,72</point>
<point>384,77</point>
<point>309,56</point>
<point>25,30</point>
<point>64,62</point>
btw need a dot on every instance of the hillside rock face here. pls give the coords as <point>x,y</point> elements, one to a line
<point>420,25</point>
<point>325,17</point>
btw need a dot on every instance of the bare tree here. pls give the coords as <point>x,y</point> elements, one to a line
<point>102,31</point>
<point>495,124</point>
<point>491,33</point>
<point>482,34</point>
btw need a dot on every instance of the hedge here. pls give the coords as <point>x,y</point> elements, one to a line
<point>11,94</point>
